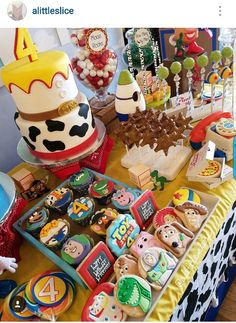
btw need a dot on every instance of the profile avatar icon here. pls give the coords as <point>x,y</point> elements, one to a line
<point>17,10</point>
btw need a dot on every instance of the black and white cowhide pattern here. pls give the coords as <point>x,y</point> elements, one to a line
<point>200,293</point>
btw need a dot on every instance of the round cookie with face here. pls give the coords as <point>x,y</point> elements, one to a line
<point>143,241</point>
<point>165,216</point>
<point>81,181</point>
<point>76,248</point>
<point>59,199</point>
<point>101,220</point>
<point>126,265</point>
<point>102,190</point>
<point>54,233</point>
<point>37,220</point>
<point>123,198</point>
<point>133,295</point>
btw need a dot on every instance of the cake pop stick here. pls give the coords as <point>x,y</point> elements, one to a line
<point>176,69</point>
<point>163,73</point>
<point>189,65</point>
<point>143,70</point>
<point>225,72</point>
<point>157,60</point>
<point>130,62</point>
<point>215,58</point>
<point>202,62</point>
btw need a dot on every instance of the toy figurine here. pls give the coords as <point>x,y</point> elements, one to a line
<point>179,49</point>
<point>155,178</point>
<point>9,264</point>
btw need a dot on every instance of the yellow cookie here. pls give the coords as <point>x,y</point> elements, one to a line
<point>183,195</point>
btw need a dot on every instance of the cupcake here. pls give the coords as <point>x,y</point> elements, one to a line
<point>122,199</point>
<point>76,248</point>
<point>37,220</point>
<point>81,210</point>
<point>81,181</point>
<point>59,199</point>
<point>102,190</point>
<point>54,233</point>
<point>101,220</point>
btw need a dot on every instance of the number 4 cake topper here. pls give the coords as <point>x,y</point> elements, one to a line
<point>24,45</point>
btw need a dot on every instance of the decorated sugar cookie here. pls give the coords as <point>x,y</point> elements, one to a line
<point>76,248</point>
<point>192,214</point>
<point>185,194</point>
<point>156,265</point>
<point>121,234</point>
<point>101,306</point>
<point>174,237</point>
<point>225,127</point>
<point>101,220</point>
<point>165,216</point>
<point>212,170</point>
<point>102,190</point>
<point>37,220</point>
<point>81,181</point>
<point>126,265</point>
<point>123,198</point>
<point>133,295</point>
<point>81,210</point>
<point>143,241</point>
<point>54,233</point>
<point>59,199</point>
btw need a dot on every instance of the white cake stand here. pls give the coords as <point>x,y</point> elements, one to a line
<point>25,154</point>
<point>168,166</point>
<point>9,187</point>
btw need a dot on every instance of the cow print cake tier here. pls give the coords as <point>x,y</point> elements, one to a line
<point>54,118</point>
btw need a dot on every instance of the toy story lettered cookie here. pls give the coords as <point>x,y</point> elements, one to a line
<point>101,220</point>
<point>81,210</point>
<point>185,194</point>
<point>174,238</point>
<point>76,248</point>
<point>143,241</point>
<point>156,265</point>
<point>59,199</point>
<point>165,216</point>
<point>54,233</point>
<point>126,265</point>
<point>101,306</point>
<point>121,234</point>
<point>192,214</point>
<point>133,295</point>
<point>122,199</point>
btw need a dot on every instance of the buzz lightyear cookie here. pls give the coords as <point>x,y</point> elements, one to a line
<point>165,216</point>
<point>143,241</point>
<point>133,295</point>
<point>212,170</point>
<point>101,306</point>
<point>121,234</point>
<point>59,199</point>
<point>185,194</point>
<point>102,219</point>
<point>76,248</point>
<point>156,265</point>
<point>54,233</point>
<point>122,199</point>
<point>37,220</point>
<point>81,210</point>
<point>192,214</point>
<point>225,127</point>
<point>126,265</point>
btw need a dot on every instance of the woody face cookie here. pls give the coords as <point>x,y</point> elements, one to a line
<point>101,306</point>
<point>54,233</point>
<point>192,214</point>
<point>144,241</point>
<point>101,220</point>
<point>126,265</point>
<point>174,238</point>
<point>133,295</point>
<point>156,265</point>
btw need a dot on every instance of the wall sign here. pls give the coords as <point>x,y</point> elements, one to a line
<point>144,209</point>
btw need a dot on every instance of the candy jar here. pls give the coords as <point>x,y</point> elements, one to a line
<point>131,52</point>
<point>95,64</point>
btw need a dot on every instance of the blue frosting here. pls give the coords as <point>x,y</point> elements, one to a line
<point>4,202</point>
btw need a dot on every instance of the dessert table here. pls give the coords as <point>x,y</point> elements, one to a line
<point>187,289</point>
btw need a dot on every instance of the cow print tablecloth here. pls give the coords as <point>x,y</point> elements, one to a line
<point>200,293</point>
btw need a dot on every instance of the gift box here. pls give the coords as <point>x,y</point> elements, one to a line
<point>23,179</point>
<point>140,175</point>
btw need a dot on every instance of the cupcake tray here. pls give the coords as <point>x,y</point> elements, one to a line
<point>54,255</point>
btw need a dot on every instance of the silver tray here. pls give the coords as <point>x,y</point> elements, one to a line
<point>9,187</point>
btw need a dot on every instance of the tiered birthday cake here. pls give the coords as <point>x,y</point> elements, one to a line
<point>53,117</point>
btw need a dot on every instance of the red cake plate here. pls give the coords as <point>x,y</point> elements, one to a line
<point>91,157</point>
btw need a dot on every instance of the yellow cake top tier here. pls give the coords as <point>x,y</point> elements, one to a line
<point>22,73</point>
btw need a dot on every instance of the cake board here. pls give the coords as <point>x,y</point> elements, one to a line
<point>9,187</point>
